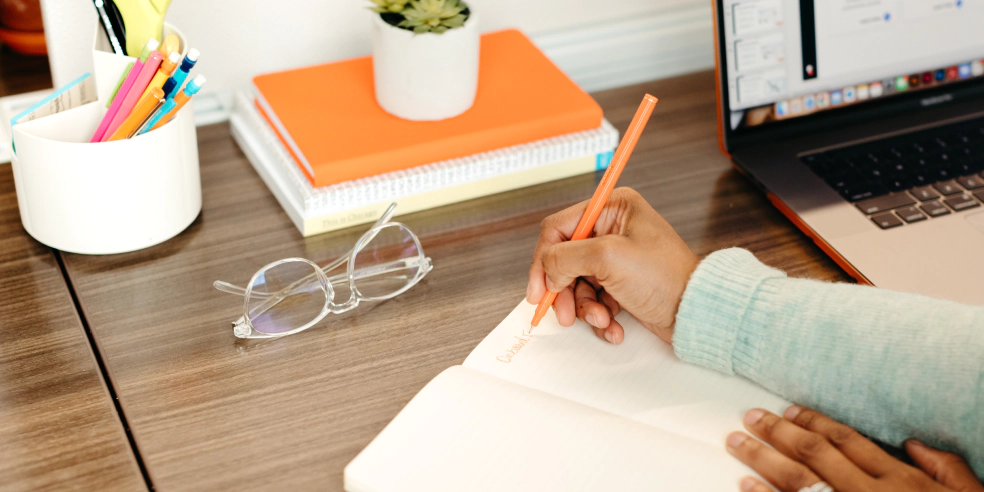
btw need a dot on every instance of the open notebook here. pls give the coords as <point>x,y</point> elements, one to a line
<point>563,410</point>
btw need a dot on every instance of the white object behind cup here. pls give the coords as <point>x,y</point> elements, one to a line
<point>107,66</point>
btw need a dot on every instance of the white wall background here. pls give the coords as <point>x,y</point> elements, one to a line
<point>601,44</point>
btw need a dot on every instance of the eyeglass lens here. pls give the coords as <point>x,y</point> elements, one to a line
<point>387,263</point>
<point>300,305</point>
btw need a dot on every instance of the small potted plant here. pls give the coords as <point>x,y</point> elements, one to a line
<point>425,57</point>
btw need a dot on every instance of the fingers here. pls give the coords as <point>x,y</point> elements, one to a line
<point>559,228</point>
<point>564,262</point>
<point>556,228</point>
<point>613,305</point>
<point>564,307</point>
<point>752,484</point>
<point>597,314</point>
<point>948,469</point>
<point>806,447</point>
<point>779,470</point>
<point>864,453</point>
<point>589,309</point>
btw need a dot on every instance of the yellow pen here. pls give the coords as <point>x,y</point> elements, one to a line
<point>140,113</point>
<point>167,68</point>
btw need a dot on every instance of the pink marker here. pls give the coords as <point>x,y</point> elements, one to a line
<point>136,90</point>
<point>114,108</point>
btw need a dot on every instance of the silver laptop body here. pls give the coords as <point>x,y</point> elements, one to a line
<point>781,66</point>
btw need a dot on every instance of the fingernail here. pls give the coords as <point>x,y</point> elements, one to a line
<point>735,439</point>
<point>528,288</point>
<point>792,412</point>
<point>590,319</point>
<point>747,483</point>
<point>609,336</point>
<point>753,416</point>
<point>917,443</point>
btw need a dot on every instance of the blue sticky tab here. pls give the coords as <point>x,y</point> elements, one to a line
<point>603,159</point>
<point>34,107</point>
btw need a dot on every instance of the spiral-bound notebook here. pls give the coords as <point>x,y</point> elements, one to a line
<point>328,118</point>
<point>317,210</point>
<point>563,410</point>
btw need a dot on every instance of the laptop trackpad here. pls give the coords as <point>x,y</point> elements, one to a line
<point>977,220</point>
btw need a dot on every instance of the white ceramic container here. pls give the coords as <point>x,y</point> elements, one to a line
<point>107,197</point>
<point>425,77</point>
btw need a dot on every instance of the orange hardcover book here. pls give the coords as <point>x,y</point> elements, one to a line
<point>327,116</point>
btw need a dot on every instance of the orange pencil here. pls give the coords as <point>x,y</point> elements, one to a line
<point>604,191</point>
<point>173,105</point>
<point>139,114</point>
<point>167,68</point>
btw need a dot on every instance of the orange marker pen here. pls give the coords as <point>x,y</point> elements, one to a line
<point>604,190</point>
<point>172,106</point>
<point>140,113</point>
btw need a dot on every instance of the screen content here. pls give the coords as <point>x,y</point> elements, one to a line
<point>791,58</point>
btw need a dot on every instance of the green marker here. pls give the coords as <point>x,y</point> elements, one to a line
<point>118,84</point>
<point>144,54</point>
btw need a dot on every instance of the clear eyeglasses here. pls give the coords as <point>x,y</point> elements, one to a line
<point>294,294</point>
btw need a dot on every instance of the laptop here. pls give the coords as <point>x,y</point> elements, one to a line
<point>863,122</point>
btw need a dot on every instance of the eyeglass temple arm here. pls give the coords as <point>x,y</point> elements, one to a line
<point>423,268</point>
<point>372,271</point>
<point>273,299</point>
<point>239,291</point>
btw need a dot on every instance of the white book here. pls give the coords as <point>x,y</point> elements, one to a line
<point>563,410</point>
<point>316,210</point>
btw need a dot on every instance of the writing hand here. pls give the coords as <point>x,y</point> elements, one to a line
<point>808,447</point>
<point>633,261</point>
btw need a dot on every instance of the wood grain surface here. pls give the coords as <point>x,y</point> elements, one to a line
<point>58,426</point>
<point>210,412</point>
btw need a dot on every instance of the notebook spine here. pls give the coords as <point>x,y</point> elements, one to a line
<point>421,179</point>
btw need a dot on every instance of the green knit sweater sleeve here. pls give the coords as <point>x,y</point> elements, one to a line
<point>892,365</point>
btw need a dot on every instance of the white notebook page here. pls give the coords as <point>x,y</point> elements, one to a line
<point>469,431</point>
<point>641,379</point>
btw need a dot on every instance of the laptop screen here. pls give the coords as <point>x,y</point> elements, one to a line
<point>786,59</point>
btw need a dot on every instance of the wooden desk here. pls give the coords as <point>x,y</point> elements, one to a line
<point>58,426</point>
<point>210,412</point>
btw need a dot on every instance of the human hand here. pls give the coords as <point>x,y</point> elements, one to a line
<point>633,261</point>
<point>808,447</point>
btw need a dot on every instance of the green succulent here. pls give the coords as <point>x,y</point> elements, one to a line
<point>389,6</point>
<point>434,16</point>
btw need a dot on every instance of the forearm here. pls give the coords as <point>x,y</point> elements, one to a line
<point>894,366</point>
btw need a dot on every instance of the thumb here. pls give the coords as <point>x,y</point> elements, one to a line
<point>565,262</point>
<point>948,469</point>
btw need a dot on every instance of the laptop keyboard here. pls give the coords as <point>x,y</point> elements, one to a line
<point>909,178</point>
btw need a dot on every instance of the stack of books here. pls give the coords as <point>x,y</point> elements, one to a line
<point>336,160</point>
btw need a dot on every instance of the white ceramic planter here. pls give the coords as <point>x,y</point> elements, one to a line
<point>425,77</point>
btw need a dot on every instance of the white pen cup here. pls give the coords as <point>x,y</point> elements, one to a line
<point>106,197</point>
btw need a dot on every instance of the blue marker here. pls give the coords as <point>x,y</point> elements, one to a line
<point>180,74</point>
<point>173,105</point>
